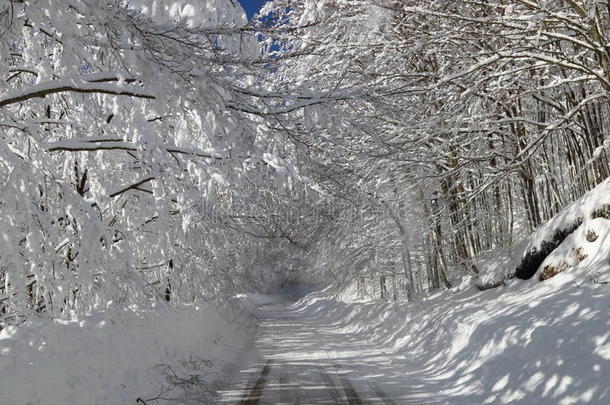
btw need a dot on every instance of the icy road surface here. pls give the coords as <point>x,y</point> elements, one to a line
<point>301,358</point>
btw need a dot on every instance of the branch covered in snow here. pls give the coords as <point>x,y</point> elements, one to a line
<point>95,85</point>
<point>97,144</point>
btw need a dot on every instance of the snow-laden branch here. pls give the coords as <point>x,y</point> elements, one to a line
<point>288,109</point>
<point>94,83</point>
<point>134,186</point>
<point>97,144</point>
<point>528,151</point>
<point>589,73</point>
<point>486,62</point>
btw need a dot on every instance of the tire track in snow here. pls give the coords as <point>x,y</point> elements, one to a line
<point>332,387</point>
<point>350,392</point>
<point>256,392</point>
<point>382,395</point>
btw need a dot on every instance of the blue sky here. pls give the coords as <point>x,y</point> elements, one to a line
<point>252,6</point>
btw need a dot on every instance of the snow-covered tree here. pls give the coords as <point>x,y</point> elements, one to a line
<point>125,153</point>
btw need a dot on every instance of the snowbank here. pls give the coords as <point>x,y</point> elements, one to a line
<point>543,343</point>
<point>571,223</point>
<point>118,356</point>
<point>585,252</point>
<point>582,209</point>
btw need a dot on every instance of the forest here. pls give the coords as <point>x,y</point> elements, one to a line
<point>176,153</point>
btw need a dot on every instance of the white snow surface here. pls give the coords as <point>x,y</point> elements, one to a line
<point>581,256</point>
<point>116,356</point>
<point>544,343</point>
<point>580,209</point>
<point>499,265</point>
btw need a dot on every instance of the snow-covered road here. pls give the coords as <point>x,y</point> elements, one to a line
<point>303,357</point>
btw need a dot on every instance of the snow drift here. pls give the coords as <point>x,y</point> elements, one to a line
<point>117,356</point>
<point>543,343</point>
<point>574,239</point>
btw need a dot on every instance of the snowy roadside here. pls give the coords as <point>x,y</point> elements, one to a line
<point>121,356</point>
<point>526,343</point>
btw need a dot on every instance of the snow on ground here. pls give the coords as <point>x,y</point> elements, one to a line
<point>526,343</point>
<point>254,300</point>
<point>119,355</point>
<point>590,212</point>
<point>582,209</point>
<point>584,253</point>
